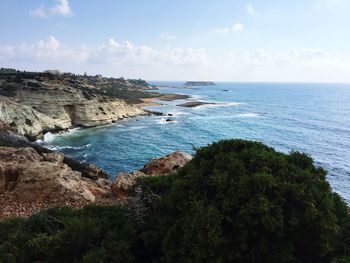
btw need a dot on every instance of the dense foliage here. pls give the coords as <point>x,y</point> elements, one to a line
<point>236,201</point>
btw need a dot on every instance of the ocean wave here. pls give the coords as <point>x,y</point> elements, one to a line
<point>194,96</point>
<point>136,128</point>
<point>225,104</point>
<point>59,148</point>
<point>49,137</point>
<point>248,115</point>
<point>176,113</point>
<point>213,104</point>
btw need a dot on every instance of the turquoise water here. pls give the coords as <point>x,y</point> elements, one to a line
<point>312,118</point>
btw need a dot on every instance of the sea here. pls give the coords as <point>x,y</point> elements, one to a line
<point>310,118</point>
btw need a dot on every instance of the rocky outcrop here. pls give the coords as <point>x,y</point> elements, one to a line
<point>124,182</point>
<point>156,167</point>
<point>166,164</point>
<point>27,176</point>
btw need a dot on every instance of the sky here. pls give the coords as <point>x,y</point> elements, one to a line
<point>221,40</point>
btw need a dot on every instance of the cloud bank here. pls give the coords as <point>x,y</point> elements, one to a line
<point>112,54</point>
<point>117,58</point>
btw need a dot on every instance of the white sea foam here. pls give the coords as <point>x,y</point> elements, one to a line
<point>218,104</point>
<point>70,131</point>
<point>49,137</point>
<point>136,128</point>
<point>176,113</point>
<point>196,97</point>
<point>248,115</point>
<point>59,148</point>
<point>163,121</point>
<point>225,104</point>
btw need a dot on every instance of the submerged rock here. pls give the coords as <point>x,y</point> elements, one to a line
<point>156,167</point>
<point>193,104</point>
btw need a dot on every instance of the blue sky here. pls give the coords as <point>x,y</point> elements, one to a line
<point>225,40</point>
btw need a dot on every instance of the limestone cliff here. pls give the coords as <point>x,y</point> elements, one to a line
<point>33,104</point>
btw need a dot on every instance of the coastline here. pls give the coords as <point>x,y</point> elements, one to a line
<point>154,101</point>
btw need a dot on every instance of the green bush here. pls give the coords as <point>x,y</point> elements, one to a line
<point>241,201</point>
<point>66,235</point>
<point>236,201</point>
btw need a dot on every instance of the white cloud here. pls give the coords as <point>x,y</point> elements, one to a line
<point>62,7</point>
<point>236,27</point>
<point>292,57</point>
<point>249,8</point>
<point>51,43</point>
<point>168,36</point>
<point>111,53</point>
<point>39,12</point>
<point>7,52</point>
<point>130,54</point>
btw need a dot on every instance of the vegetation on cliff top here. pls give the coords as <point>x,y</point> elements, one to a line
<point>236,201</point>
<point>132,90</point>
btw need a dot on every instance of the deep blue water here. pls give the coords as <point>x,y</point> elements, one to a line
<point>312,118</point>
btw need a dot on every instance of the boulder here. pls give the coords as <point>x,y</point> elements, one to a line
<point>156,167</point>
<point>27,176</point>
<point>166,164</point>
<point>124,182</point>
<point>93,172</point>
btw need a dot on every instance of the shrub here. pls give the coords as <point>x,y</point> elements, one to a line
<point>241,201</point>
<point>236,201</point>
<point>66,235</point>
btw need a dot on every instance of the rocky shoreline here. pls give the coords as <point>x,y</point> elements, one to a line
<point>33,178</point>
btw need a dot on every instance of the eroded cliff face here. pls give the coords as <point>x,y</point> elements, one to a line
<point>73,108</point>
<point>26,120</point>
<point>32,107</point>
